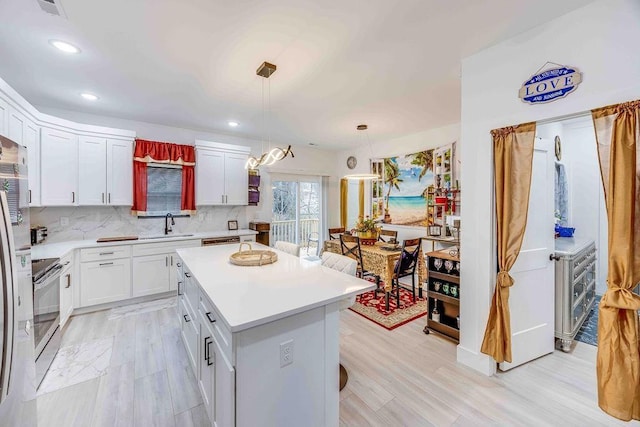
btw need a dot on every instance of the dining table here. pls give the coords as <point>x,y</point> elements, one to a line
<point>380,259</point>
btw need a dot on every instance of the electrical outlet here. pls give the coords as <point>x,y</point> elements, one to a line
<point>64,221</point>
<point>201,217</point>
<point>286,353</point>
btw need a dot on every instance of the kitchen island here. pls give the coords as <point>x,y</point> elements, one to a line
<point>263,341</point>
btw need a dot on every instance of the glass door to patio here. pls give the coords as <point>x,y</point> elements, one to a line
<point>297,212</point>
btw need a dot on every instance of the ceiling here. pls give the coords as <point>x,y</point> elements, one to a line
<point>191,63</point>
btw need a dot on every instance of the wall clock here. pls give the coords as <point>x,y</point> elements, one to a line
<point>352,162</point>
<point>558,148</point>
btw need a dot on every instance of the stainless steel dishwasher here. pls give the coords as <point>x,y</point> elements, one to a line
<point>220,240</point>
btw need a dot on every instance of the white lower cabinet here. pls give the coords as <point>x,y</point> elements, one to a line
<point>210,349</point>
<point>225,394</point>
<point>66,293</point>
<point>105,281</point>
<point>207,361</point>
<point>190,333</point>
<point>151,275</point>
<point>154,269</point>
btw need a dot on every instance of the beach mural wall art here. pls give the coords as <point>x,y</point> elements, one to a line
<point>401,196</point>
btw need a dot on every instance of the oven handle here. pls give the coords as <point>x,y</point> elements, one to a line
<point>52,275</point>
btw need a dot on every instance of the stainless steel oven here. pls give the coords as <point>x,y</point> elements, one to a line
<point>46,312</point>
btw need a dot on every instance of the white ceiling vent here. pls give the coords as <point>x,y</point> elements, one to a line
<point>53,7</point>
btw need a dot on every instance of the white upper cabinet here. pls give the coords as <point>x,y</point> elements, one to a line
<point>32,142</point>
<point>17,124</point>
<point>92,171</point>
<point>105,172</point>
<point>221,178</point>
<point>4,118</point>
<point>119,172</point>
<point>25,132</point>
<point>236,179</point>
<point>209,177</point>
<point>59,168</point>
<point>69,163</point>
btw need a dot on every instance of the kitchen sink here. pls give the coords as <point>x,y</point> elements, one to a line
<point>164,236</point>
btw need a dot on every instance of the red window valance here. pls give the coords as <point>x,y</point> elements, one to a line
<point>163,152</point>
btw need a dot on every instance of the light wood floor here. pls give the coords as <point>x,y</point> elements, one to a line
<point>396,378</point>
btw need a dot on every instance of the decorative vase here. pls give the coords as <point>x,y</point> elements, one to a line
<point>368,237</point>
<point>387,217</point>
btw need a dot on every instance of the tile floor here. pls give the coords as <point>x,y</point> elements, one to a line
<point>122,367</point>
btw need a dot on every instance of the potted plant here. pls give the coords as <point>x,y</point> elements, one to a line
<point>367,230</point>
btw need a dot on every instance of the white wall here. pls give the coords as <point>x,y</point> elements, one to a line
<point>601,40</point>
<point>398,146</point>
<point>307,161</point>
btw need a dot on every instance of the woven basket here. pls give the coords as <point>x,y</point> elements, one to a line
<point>252,258</point>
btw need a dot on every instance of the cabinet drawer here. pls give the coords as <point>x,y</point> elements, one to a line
<point>578,312</point>
<point>163,248</point>
<point>220,331</point>
<point>105,253</point>
<point>248,238</point>
<point>189,332</point>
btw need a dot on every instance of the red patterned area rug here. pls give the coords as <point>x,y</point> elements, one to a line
<point>373,308</point>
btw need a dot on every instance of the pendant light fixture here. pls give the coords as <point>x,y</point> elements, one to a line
<point>273,154</point>
<point>363,176</point>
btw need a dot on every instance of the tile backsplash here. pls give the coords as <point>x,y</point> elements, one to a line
<point>88,222</point>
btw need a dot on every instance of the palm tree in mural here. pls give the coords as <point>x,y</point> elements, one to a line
<point>392,179</point>
<point>423,159</point>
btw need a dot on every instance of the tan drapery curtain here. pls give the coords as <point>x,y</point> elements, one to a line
<point>617,134</point>
<point>513,157</point>
<point>344,188</point>
<point>361,199</point>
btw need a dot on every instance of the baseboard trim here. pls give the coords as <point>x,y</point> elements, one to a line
<point>477,361</point>
<point>110,305</point>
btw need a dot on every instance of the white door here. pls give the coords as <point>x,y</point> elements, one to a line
<point>32,142</point>
<point>119,173</point>
<point>92,171</point>
<point>59,168</point>
<point>150,274</point>
<point>209,177</point>
<point>531,300</point>
<point>236,179</point>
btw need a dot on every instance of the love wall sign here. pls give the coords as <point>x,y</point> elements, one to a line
<point>550,85</point>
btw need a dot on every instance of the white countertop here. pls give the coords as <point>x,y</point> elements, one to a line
<point>57,250</point>
<point>571,245</point>
<point>251,296</point>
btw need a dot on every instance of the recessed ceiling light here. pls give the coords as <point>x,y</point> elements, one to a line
<point>313,144</point>
<point>64,46</point>
<point>233,124</point>
<point>89,96</point>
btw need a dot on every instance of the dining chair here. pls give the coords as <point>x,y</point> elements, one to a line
<point>290,248</point>
<point>348,266</point>
<point>406,266</point>
<point>350,247</point>
<point>313,236</point>
<point>392,236</point>
<point>334,233</point>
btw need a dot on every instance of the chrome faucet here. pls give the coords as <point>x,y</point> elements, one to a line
<point>167,227</point>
